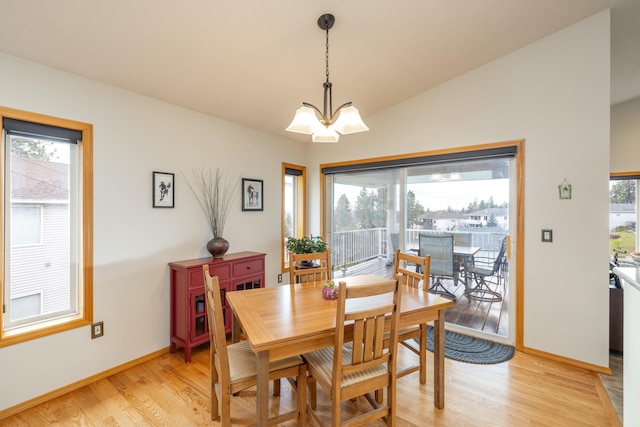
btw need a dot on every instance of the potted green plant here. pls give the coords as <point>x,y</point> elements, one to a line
<point>306,245</point>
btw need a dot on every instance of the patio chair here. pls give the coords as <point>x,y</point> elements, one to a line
<point>234,366</point>
<point>488,271</point>
<point>363,366</point>
<point>440,248</point>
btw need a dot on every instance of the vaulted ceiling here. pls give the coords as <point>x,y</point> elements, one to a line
<point>254,62</point>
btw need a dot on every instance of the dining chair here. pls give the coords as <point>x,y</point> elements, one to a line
<point>361,365</point>
<point>318,267</point>
<point>408,335</point>
<point>234,366</point>
<point>488,271</point>
<point>440,248</point>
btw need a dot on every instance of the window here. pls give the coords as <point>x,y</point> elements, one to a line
<point>47,225</point>
<point>623,217</point>
<point>293,206</point>
<point>373,208</point>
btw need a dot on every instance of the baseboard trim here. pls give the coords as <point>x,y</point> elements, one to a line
<point>568,361</point>
<point>78,384</point>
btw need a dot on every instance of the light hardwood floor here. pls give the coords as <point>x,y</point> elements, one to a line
<point>165,391</point>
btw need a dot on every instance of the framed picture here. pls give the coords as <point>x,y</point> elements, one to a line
<point>163,190</point>
<point>564,190</point>
<point>252,194</point>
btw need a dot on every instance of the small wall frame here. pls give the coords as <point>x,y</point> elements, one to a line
<point>163,190</point>
<point>252,194</point>
<point>564,190</point>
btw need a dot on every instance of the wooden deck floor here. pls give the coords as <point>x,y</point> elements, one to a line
<point>479,315</point>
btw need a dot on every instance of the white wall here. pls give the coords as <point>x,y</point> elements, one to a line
<point>554,94</point>
<point>133,136</point>
<point>625,137</point>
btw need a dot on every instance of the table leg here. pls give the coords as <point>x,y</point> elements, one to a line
<point>235,329</point>
<point>262,394</point>
<point>438,360</point>
<point>467,276</point>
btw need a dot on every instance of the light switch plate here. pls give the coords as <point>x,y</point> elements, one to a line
<point>547,235</point>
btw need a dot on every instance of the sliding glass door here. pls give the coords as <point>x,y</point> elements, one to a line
<point>371,212</point>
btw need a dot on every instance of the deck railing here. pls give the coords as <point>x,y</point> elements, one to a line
<point>349,248</point>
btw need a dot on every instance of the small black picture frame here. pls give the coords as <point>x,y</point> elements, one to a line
<point>252,194</point>
<point>163,190</point>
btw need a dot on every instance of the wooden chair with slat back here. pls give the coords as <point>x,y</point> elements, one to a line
<point>364,365</point>
<point>234,366</point>
<point>409,276</point>
<point>320,271</point>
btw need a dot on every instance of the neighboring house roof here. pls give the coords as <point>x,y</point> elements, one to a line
<point>38,179</point>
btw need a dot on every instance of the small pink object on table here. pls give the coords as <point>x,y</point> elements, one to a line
<point>329,293</point>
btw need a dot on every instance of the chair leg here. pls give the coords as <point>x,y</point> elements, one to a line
<point>225,407</point>
<point>312,392</point>
<point>423,353</point>
<point>482,292</point>
<point>301,391</point>
<point>276,387</point>
<point>215,413</point>
<point>438,288</point>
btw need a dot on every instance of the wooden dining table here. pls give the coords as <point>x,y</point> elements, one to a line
<point>288,320</point>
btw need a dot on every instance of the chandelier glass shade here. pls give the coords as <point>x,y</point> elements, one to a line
<point>327,125</point>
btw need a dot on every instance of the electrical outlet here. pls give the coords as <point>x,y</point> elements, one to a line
<point>280,278</point>
<point>97,330</point>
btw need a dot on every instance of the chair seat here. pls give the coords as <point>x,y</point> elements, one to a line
<point>245,362</point>
<point>479,270</point>
<point>322,362</point>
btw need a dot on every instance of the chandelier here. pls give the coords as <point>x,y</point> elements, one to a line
<point>325,125</point>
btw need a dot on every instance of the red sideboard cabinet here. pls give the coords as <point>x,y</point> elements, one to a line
<point>236,272</point>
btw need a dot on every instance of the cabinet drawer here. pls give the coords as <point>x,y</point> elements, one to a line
<point>196,279</point>
<point>248,267</point>
<point>222,271</point>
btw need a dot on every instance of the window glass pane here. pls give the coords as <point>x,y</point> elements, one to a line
<point>371,213</point>
<point>26,306</point>
<point>26,225</point>
<point>293,206</point>
<point>42,175</point>
<point>623,218</point>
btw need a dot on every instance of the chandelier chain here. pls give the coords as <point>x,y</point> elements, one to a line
<point>326,56</point>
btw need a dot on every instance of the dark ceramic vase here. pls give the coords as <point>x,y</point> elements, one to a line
<point>218,246</point>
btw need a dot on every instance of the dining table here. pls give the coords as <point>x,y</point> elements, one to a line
<point>287,320</point>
